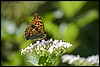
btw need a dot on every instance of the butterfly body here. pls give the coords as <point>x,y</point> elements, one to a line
<point>35,30</point>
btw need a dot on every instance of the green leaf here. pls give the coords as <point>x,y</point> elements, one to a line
<point>33,60</point>
<point>45,61</point>
<point>42,60</point>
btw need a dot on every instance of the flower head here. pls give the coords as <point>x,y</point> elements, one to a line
<point>48,46</point>
<point>81,61</point>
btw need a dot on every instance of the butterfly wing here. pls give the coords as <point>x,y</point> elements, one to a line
<point>37,21</point>
<point>35,30</point>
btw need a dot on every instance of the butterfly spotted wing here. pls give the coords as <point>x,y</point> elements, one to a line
<point>35,30</point>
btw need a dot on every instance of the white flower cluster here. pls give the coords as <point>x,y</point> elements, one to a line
<point>81,61</point>
<point>94,59</point>
<point>58,46</point>
<point>46,46</point>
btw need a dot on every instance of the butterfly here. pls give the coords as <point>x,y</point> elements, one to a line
<point>35,30</point>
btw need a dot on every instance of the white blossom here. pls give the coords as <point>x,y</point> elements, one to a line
<point>89,61</point>
<point>48,46</point>
<point>93,59</point>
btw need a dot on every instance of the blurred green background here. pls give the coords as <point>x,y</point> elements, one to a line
<point>76,22</point>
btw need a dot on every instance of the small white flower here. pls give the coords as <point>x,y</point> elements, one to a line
<point>37,42</point>
<point>68,45</point>
<point>93,59</point>
<point>50,49</point>
<point>73,59</point>
<point>27,51</point>
<point>60,44</point>
<point>51,40</point>
<point>41,48</point>
<point>30,44</point>
<point>55,41</point>
<point>33,45</point>
<point>28,47</point>
<point>42,43</point>
<point>66,57</point>
<point>43,40</point>
<point>31,50</point>
<point>49,45</point>
<point>80,60</point>
<point>22,51</point>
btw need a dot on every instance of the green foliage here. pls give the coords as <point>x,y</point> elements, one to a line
<point>33,60</point>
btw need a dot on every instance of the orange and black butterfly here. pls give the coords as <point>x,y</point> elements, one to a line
<point>35,30</point>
